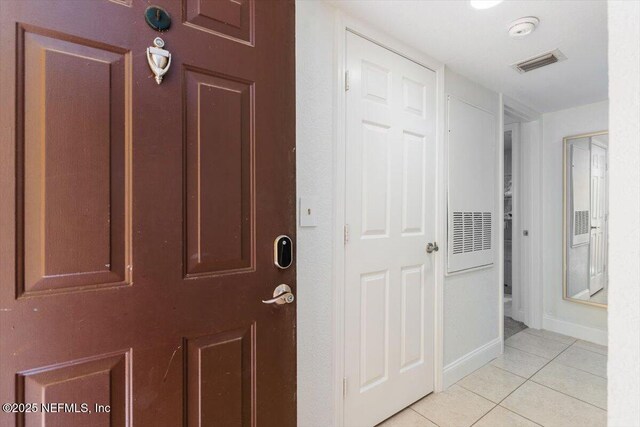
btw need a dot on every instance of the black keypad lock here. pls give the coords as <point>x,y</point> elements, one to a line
<point>283,252</point>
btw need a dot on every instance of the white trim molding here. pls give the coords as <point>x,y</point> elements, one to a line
<point>471,361</point>
<point>500,220</point>
<point>575,330</point>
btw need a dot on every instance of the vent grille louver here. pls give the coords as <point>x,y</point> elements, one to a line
<point>539,61</point>
<point>486,224</point>
<point>581,223</point>
<point>471,232</point>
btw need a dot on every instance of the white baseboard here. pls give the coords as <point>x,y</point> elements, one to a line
<point>471,361</point>
<point>597,336</point>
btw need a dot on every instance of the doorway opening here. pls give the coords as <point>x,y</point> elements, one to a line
<point>512,285</point>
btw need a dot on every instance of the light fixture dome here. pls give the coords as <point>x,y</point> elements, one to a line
<point>484,4</point>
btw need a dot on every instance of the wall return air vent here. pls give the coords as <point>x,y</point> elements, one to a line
<point>539,61</point>
<point>471,232</point>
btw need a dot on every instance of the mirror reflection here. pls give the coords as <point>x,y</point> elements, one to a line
<point>586,214</point>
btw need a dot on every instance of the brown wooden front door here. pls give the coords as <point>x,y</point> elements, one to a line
<point>138,219</point>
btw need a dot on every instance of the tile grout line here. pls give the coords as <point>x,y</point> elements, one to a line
<point>495,405</point>
<point>512,373</point>
<point>537,355</point>
<point>589,350</point>
<point>520,415</point>
<point>573,397</point>
<point>431,421</point>
<point>550,338</point>
<point>582,370</point>
<point>524,382</point>
<point>580,348</point>
<point>477,394</point>
<point>573,344</point>
<point>482,397</point>
<point>470,391</point>
<point>541,368</point>
<point>531,380</point>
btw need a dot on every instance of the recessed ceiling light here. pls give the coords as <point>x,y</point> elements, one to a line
<point>484,4</point>
<point>523,26</point>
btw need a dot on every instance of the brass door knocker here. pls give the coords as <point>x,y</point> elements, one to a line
<point>159,59</point>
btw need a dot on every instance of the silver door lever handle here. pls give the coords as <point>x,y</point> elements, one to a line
<point>281,295</point>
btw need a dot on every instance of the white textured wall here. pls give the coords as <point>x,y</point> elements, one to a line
<point>559,313</point>
<point>471,318</point>
<point>624,240</point>
<point>470,299</point>
<point>314,110</point>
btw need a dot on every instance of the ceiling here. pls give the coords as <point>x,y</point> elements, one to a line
<point>475,43</point>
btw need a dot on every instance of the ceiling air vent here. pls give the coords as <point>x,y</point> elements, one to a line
<point>539,61</point>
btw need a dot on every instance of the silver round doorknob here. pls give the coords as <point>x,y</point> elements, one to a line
<point>432,247</point>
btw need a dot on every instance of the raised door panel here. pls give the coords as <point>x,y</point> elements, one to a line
<point>95,390</point>
<point>376,180</point>
<point>72,153</point>
<point>413,178</point>
<point>374,329</point>
<point>376,83</point>
<point>219,224</point>
<point>232,19</point>
<point>412,315</point>
<point>221,379</point>
<point>414,97</point>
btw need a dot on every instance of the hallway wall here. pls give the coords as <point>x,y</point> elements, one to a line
<point>314,177</point>
<point>624,248</point>
<point>579,320</point>
<point>471,318</point>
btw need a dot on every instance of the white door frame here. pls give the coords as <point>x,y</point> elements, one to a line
<point>344,24</point>
<point>527,206</point>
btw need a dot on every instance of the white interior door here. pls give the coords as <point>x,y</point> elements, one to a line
<point>598,234</point>
<point>390,212</point>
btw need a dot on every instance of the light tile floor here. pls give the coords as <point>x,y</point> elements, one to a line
<point>542,379</point>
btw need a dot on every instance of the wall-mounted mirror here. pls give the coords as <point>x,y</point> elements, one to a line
<point>586,218</point>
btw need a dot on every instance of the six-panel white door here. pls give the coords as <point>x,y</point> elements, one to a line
<point>390,214</point>
<point>598,235</point>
